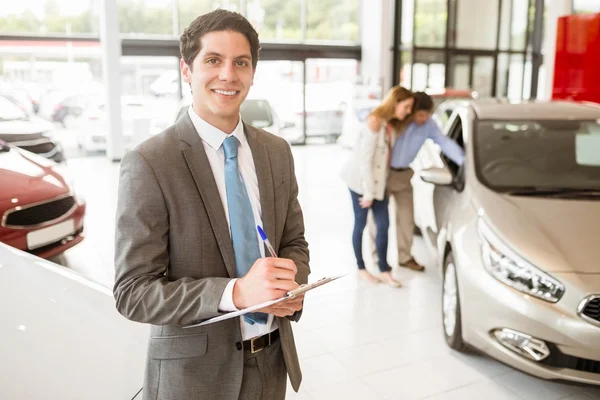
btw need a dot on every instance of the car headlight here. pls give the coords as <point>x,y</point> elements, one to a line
<point>64,171</point>
<point>506,266</point>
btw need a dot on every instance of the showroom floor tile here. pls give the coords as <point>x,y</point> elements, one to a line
<point>355,340</point>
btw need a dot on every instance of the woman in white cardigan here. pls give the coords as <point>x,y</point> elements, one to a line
<point>366,173</point>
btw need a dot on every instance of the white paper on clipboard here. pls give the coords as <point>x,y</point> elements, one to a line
<point>290,295</point>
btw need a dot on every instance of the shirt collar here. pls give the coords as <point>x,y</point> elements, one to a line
<point>213,135</point>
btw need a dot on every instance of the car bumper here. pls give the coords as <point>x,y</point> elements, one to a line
<point>18,237</point>
<point>487,305</point>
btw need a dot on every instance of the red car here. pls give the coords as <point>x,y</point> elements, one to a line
<point>39,212</point>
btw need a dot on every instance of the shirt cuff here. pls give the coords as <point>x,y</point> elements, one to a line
<point>226,303</point>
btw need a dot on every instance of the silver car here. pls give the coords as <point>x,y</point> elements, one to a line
<point>515,231</point>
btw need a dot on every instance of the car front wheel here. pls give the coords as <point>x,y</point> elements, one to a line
<point>451,307</point>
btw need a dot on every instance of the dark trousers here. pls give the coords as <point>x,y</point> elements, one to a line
<point>382,222</point>
<point>265,375</point>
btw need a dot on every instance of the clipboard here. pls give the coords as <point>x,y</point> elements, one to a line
<point>288,296</point>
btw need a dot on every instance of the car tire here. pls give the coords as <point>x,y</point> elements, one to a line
<point>451,313</point>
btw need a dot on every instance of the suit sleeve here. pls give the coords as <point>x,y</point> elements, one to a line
<point>142,289</point>
<point>293,245</point>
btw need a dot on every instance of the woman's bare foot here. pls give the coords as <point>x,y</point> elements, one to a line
<point>388,279</point>
<point>366,275</point>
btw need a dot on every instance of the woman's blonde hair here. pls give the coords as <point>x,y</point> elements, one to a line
<point>387,109</point>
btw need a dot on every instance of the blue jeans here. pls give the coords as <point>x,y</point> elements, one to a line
<point>382,221</point>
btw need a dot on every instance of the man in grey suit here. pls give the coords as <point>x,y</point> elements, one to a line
<point>187,247</point>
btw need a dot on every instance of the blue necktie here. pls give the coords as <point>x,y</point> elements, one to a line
<point>241,219</point>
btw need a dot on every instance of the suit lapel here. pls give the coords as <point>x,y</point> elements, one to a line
<point>264,174</point>
<point>197,161</point>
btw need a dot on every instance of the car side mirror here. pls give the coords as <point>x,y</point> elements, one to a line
<point>437,176</point>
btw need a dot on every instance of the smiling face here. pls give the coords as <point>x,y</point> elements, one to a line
<point>220,76</point>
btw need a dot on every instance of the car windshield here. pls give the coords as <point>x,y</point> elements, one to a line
<point>544,157</point>
<point>9,111</point>
<point>257,113</point>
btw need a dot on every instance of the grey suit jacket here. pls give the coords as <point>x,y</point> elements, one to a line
<point>174,257</point>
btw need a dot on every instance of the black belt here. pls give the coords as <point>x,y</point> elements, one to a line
<point>257,344</point>
<point>399,169</point>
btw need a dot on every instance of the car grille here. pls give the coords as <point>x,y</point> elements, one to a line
<point>592,309</point>
<point>39,214</point>
<point>558,359</point>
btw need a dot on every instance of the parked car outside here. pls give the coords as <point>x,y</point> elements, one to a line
<point>70,107</point>
<point>62,337</point>
<point>92,129</point>
<point>27,131</point>
<point>515,233</point>
<point>39,211</point>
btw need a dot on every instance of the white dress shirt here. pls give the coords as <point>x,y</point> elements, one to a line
<point>212,139</point>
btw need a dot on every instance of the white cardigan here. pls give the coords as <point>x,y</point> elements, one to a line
<point>366,170</point>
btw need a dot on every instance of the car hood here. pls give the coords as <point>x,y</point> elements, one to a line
<point>23,127</point>
<point>62,337</point>
<point>556,235</point>
<point>21,176</point>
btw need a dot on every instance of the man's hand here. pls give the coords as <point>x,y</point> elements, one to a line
<point>268,279</point>
<point>285,308</point>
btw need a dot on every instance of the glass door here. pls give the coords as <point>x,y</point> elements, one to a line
<point>472,71</point>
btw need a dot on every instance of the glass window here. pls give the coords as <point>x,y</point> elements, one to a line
<point>407,25</point>
<point>332,20</point>
<point>146,17</point>
<point>515,77</point>
<point>586,6</point>
<point>476,24</point>
<point>278,85</point>
<point>190,9</point>
<point>53,80</point>
<point>429,70</point>
<point>49,17</point>
<point>527,78</point>
<point>276,20</point>
<point>502,76</point>
<point>513,25</point>
<point>460,72</point>
<point>405,78</point>
<point>329,91</point>
<point>483,72</point>
<point>152,83</point>
<point>538,155</point>
<point>430,22</point>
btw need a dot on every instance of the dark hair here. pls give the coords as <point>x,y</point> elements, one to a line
<point>423,102</point>
<point>215,21</point>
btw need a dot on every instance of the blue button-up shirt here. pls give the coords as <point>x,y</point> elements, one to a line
<point>408,144</point>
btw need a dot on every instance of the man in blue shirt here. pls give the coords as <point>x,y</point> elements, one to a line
<point>405,150</point>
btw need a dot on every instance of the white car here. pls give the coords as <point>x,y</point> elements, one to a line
<point>62,337</point>
<point>92,128</point>
<point>514,232</point>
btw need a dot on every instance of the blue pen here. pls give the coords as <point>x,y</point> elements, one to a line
<point>265,239</point>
